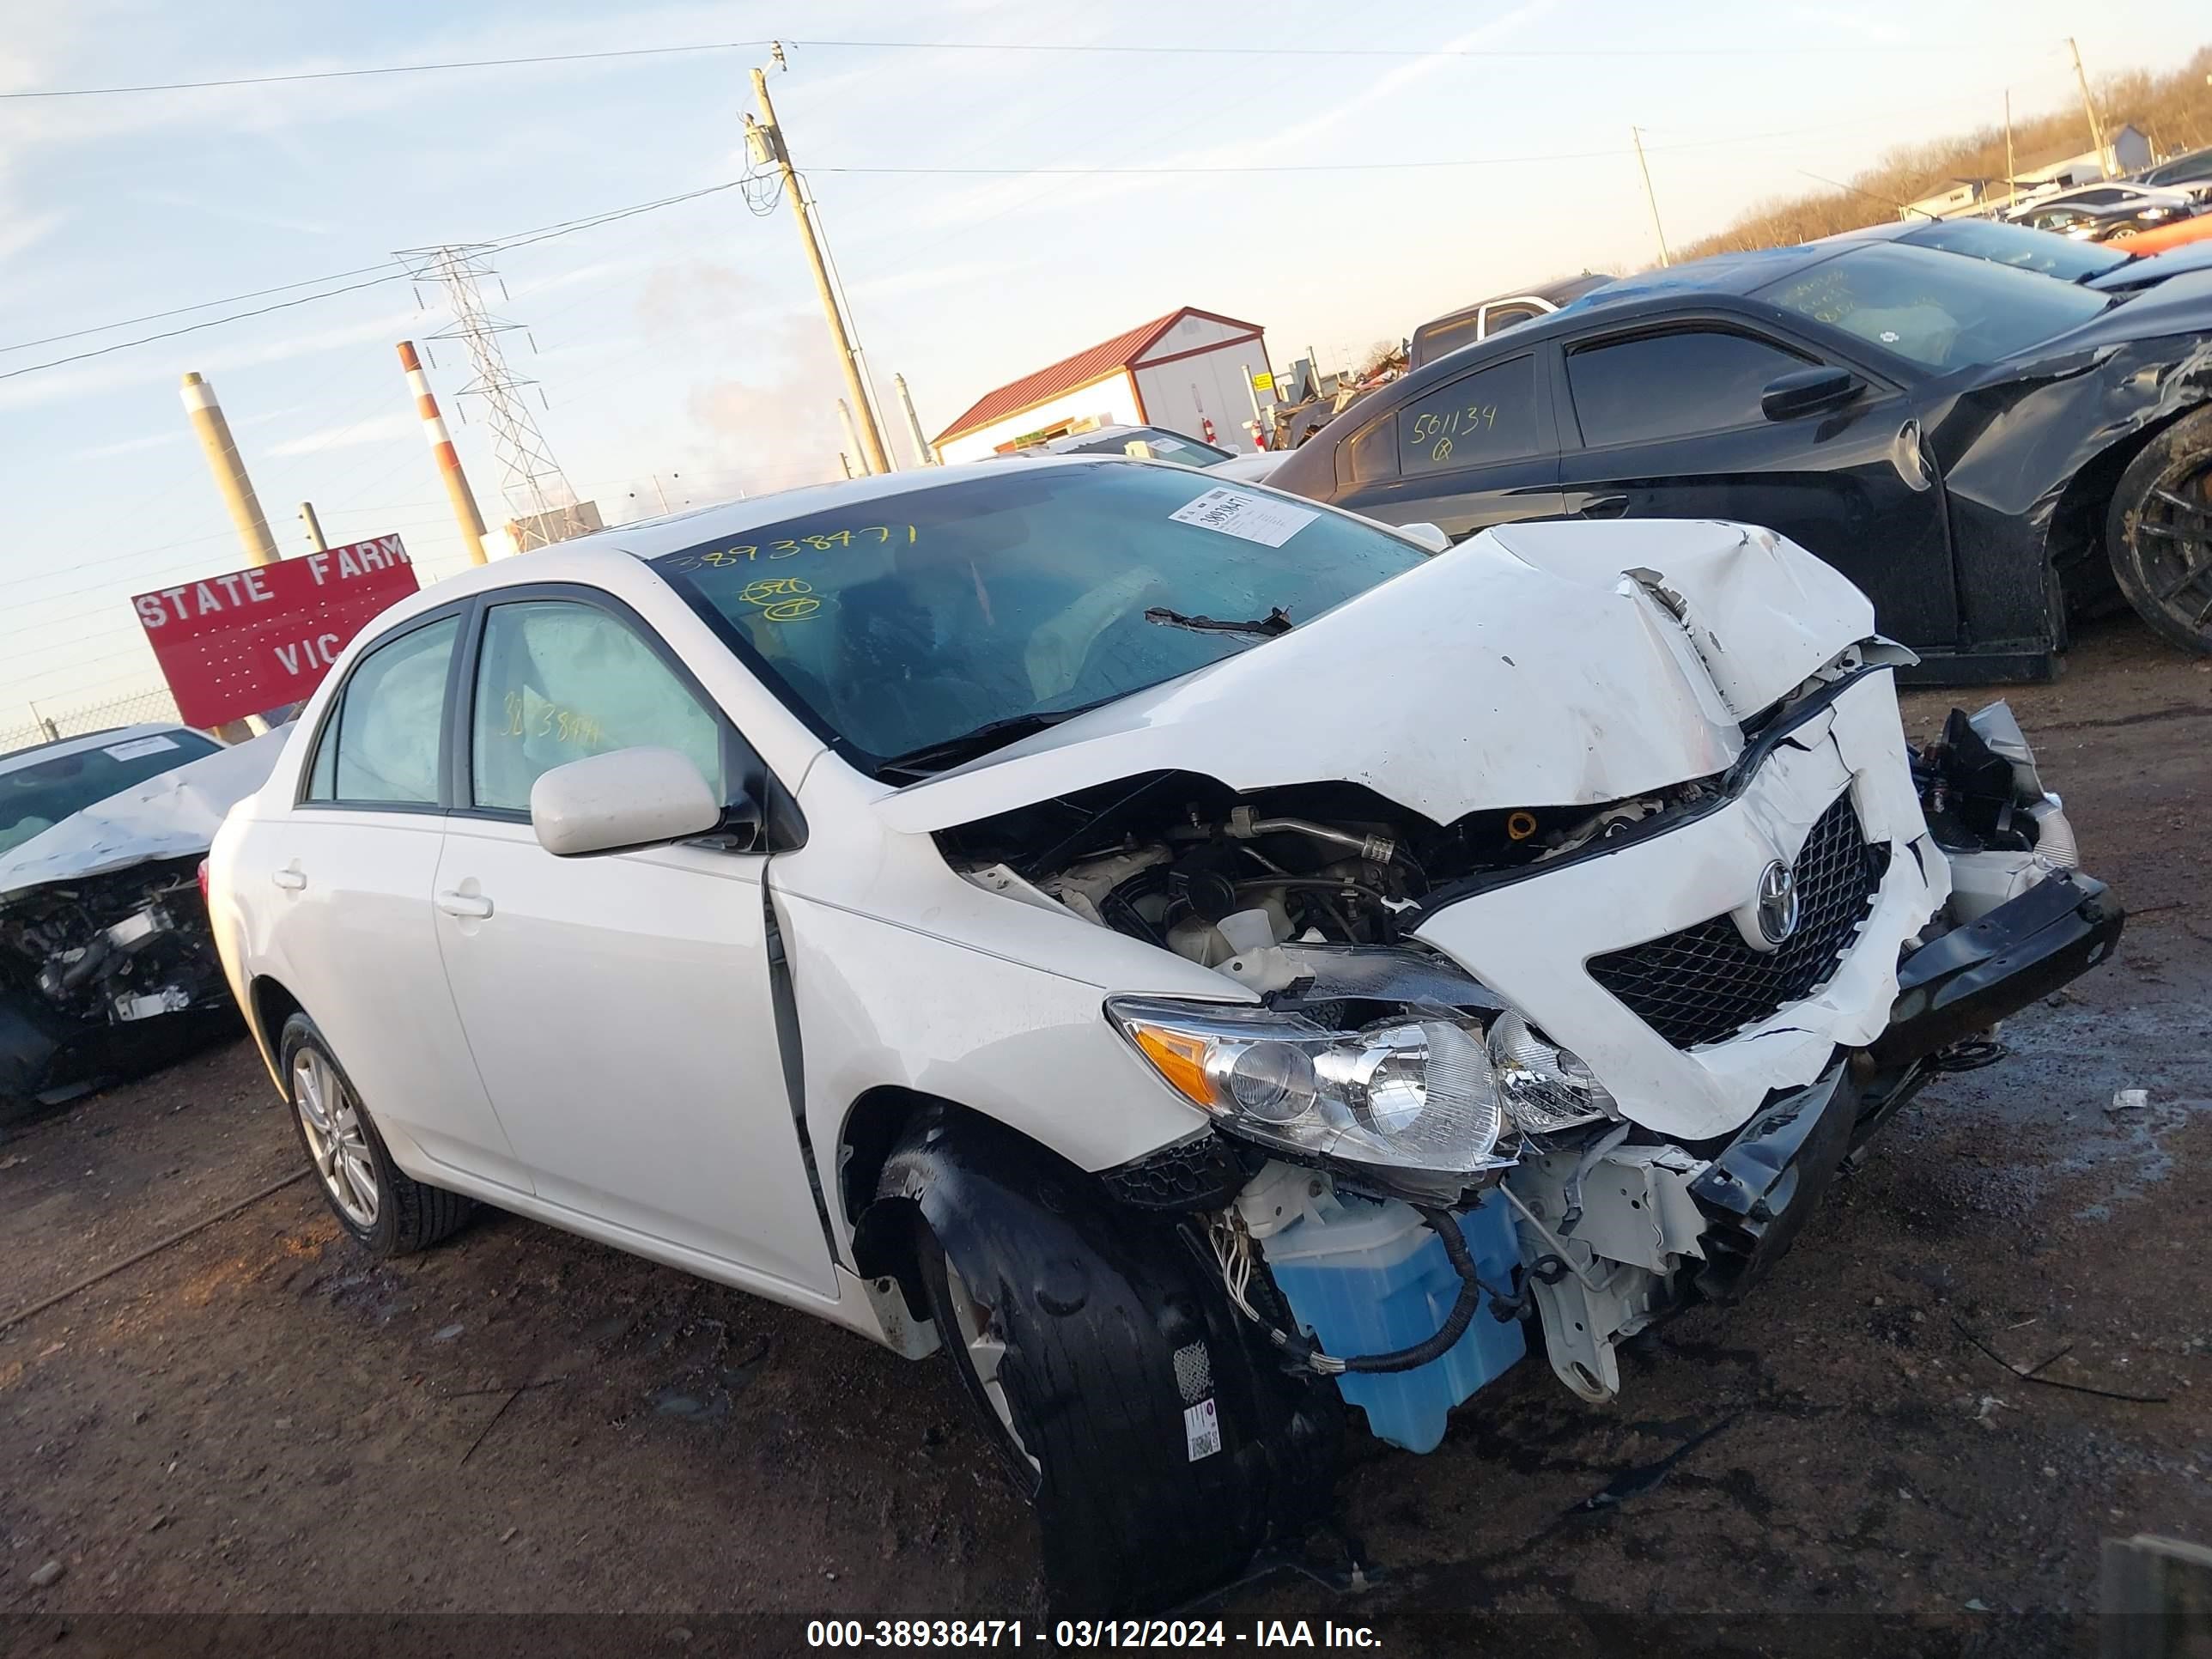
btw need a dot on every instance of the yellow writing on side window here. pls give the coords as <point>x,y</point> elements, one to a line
<point>550,719</point>
<point>789,547</point>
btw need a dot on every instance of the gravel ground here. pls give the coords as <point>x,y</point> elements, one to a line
<point>258,1420</point>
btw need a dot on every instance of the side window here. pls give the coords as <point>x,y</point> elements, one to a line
<point>1370,456</point>
<point>1661,385</point>
<point>380,744</point>
<point>1496,318</point>
<point>1489,416</point>
<point>559,681</point>
<point>1432,340</point>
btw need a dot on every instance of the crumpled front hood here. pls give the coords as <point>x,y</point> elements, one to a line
<point>171,815</point>
<point>1539,664</point>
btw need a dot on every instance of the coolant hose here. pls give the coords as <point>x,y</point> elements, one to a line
<point>1446,1228</point>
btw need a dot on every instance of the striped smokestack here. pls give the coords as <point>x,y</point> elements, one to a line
<point>441,446</point>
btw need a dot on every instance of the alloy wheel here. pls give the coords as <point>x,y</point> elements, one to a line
<point>337,1140</point>
<point>2173,540</point>
<point>987,1354</point>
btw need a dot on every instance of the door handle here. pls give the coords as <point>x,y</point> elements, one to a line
<point>290,880</point>
<point>1600,507</point>
<point>472,906</point>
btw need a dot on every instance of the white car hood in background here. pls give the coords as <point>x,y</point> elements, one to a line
<point>171,815</point>
<point>1538,665</point>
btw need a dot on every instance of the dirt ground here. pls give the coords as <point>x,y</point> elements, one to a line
<point>258,1421</point>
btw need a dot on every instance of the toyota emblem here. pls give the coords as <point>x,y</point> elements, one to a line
<point>1777,902</point>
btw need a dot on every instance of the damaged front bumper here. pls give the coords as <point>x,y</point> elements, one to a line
<point>1612,1236</point>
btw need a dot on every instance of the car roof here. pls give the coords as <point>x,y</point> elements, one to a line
<point>16,759</point>
<point>1558,292</point>
<point>588,558</point>
<point>1066,443</point>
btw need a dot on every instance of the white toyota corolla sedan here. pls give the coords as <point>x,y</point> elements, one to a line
<point>1205,960</point>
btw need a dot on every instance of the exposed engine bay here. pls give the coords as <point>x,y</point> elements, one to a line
<point>123,946</point>
<point>99,958</point>
<point>1420,1166</point>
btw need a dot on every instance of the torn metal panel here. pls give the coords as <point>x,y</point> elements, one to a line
<point>1567,683</point>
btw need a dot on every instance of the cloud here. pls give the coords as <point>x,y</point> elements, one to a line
<point>377,429</point>
<point>208,210</point>
<point>126,446</point>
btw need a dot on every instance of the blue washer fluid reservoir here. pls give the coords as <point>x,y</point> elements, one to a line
<point>1370,1278</point>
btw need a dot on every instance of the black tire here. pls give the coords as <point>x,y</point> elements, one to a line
<point>1114,1328</point>
<point>937,1288</point>
<point>2159,533</point>
<point>410,1215</point>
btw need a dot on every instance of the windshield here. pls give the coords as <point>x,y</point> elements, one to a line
<point>901,622</point>
<point>1936,311</point>
<point>1165,445</point>
<point>33,798</point>
<point>2020,246</point>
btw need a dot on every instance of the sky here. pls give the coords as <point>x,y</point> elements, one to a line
<point>1380,164</point>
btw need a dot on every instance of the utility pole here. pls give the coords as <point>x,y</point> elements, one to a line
<point>2011,187</point>
<point>229,471</point>
<point>852,438</point>
<point>2089,108</point>
<point>314,527</point>
<point>923,455</point>
<point>1636,136</point>
<point>441,446</point>
<point>764,141</point>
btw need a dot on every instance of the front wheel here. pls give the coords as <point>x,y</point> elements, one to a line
<point>1158,1440</point>
<point>386,1210</point>
<point>2161,533</point>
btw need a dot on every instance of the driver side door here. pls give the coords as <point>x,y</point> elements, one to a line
<point>620,1007</point>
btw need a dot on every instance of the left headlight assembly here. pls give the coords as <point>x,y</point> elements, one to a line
<point>1413,1092</point>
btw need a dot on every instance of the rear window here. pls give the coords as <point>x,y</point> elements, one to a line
<point>35,798</point>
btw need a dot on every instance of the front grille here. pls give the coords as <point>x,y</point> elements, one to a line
<point>1704,983</point>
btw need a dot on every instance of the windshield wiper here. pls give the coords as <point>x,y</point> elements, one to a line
<point>949,752</point>
<point>1276,622</point>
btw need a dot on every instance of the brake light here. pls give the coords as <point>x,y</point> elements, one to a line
<point>203,881</point>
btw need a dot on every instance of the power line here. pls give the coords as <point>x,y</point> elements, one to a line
<point>204,304</point>
<point>193,328</point>
<point>1086,48</point>
<point>384,68</point>
<point>397,273</point>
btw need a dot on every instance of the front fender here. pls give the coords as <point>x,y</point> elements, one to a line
<point>1116,1329</point>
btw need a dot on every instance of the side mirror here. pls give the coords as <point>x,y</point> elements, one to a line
<point>615,802</point>
<point>1427,535</point>
<point>1809,392</point>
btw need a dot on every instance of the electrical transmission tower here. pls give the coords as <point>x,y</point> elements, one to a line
<point>542,506</point>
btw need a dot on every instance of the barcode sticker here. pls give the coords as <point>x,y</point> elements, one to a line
<point>139,747</point>
<point>1201,1430</point>
<point>1259,519</point>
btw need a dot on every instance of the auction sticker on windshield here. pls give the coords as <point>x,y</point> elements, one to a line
<point>1254,518</point>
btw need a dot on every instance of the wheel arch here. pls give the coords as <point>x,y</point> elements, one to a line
<point>269,1002</point>
<point>879,1124</point>
<point>2077,535</point>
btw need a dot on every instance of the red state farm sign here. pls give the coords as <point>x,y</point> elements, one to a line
<point>257,639</point>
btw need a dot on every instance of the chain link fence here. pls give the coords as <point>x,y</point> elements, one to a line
<point>140,708</point>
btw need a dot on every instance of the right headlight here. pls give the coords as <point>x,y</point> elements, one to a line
<point>1543,1089</point>
<point>1426,1089</point>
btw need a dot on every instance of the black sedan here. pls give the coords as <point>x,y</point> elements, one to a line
<point>1975,445</point>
